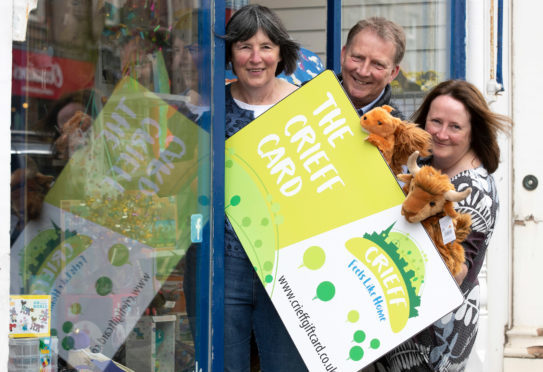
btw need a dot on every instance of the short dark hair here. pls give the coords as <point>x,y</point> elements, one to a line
<point>246,22</point>
<point>386,30</point>
<point>485,124</point>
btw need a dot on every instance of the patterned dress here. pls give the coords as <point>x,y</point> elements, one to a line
<point>446,345</point>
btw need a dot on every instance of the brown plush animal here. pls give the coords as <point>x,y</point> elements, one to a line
<point>72,135</point>
<point>28,189</point>
<point>396,139</point>
<point>430,196</point>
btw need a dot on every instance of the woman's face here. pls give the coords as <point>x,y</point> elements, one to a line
<point>449,123</point>
<point>255,60</point>
<point>184,70</point>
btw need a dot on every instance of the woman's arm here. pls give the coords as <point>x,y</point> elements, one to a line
<point>474,251</point>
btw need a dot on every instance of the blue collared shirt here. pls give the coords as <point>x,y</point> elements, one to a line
<point>363,110</point>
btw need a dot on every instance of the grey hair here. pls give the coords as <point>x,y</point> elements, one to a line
<point>386,30</point>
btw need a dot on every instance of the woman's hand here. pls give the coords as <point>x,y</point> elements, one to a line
<point>461,274</point>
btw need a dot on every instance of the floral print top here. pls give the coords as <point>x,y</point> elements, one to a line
<point>446,345</point>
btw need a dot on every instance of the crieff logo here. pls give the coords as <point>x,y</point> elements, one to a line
<point>398,265</point>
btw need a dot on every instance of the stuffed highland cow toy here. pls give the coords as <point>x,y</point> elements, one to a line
<point>396,139</point>
<point>430,197</point>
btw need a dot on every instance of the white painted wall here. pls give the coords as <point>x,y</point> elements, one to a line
<point>527,217</point>
<point>304,19</point>
<point>5,118</point>
<point>495,275</point>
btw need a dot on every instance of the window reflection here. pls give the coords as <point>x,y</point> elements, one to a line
<point>110,164</point>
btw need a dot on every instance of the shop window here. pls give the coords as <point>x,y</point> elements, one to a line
<point>110,191</point>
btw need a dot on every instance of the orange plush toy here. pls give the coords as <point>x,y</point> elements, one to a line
<point>430,197</point>
<point>396,139</point>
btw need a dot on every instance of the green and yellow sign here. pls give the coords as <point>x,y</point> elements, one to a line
<point>317,210</point>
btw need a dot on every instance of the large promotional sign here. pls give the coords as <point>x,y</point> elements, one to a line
<point>117,220</point>
<point>317,210</point>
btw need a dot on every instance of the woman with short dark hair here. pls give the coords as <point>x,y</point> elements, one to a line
<point>247,21</point>
<point>259,49</point>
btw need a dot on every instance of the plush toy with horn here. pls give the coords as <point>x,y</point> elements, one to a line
<point>430,197</point>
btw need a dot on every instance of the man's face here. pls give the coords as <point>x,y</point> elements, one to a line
<point>367,66</point>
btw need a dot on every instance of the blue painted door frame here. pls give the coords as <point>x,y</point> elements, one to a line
<point>333,35</point>
<point>217,212</point>
<point>457,47</point>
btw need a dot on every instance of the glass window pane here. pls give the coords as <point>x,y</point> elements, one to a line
<point>110,186</point>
